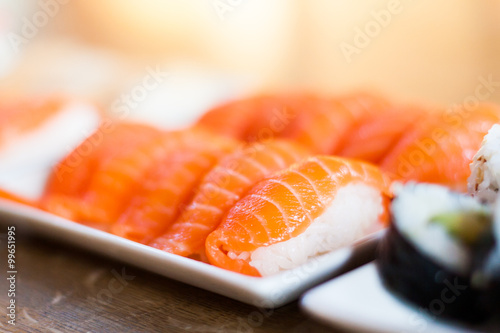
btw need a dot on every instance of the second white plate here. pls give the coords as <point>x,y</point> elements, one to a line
<point>359,301</point>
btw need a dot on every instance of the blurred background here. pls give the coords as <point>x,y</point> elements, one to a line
<point>206,51</point>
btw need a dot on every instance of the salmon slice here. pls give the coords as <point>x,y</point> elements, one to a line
<point>323,124</point>
<point>372,138</point>
<point>362,103</point>
<point>72,174</point>
<point>230,119</point>
<point>185,157</point>
<point>70,179</point>
<point>282,207</point>
<point>20,117</point>
<point>16,198</point>
<point>257,118</point>
<point>440,149</point>
<point>316,122</point>
<point>221,188</point>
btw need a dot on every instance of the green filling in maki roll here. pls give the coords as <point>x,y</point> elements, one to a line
<point>467,226</point>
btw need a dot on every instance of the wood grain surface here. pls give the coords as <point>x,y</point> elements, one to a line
<point>63,289</point>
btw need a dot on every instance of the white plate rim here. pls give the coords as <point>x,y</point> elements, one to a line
<point>266,292</point>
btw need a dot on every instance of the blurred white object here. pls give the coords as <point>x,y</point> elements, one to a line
<point>6,56</point>
<point>175,98</point>
<point>11,13</point>
<point>61,66</point>
<point>26,162</point>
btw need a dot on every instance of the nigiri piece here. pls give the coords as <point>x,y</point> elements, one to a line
<point>484,180</point>
<point>257,118</point>
<point>71,177</point>
<point>38,132</point>
<point>21,116</point>
<point>323,124</point>
<point>72,174</point>
<point>320,124</point>
<point>221,188</point>
<point>313,207</point>
<point>317,122</point>
<point>362,103</point>
<point>372,138</point>
<point>440,148</point>
<point>168,183</point>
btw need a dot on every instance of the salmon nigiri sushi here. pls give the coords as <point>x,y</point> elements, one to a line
<point>373,137</point>
<point>256,118</point>
<point>22,116</point>
<point>71,178</point>
<point>156,197</point>
<point>440,148</point>
<point>313,207</point>
<point>323,124</point>
<point>73,173</point>
<point>109,176</point>
<point>320,123</point>
<point>221,188</point>
<point>35,132</point>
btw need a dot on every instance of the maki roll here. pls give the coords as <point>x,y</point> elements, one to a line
<point>484,180</point>
<point>488,273</point>
<point>435,251</point>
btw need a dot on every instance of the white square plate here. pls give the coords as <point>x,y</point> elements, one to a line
<point>271,291</point>
<point>24,168</point>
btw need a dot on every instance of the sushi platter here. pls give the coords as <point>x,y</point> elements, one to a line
<point>213,197</point>
<point>29,182</point>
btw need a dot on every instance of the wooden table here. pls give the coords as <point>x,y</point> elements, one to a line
<point>63,289</point>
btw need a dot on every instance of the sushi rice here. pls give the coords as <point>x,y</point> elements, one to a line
<point>352,215</point>
<point>484,180</point>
